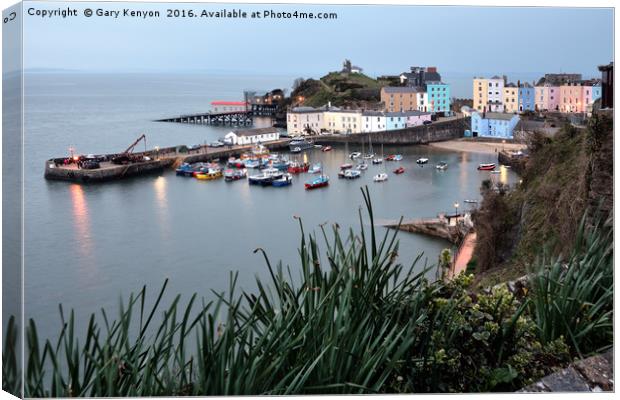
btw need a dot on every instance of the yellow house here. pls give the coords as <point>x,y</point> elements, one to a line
<point>343,121</point>
<point>480,91</point>
<point>510,98</point>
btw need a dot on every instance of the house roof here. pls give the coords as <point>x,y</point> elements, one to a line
<point>402,89</point>
<point>495,115</point>
<point>228,103</point>
<point>373,113</point>
<point>304,110</point>
<point>254,132</point>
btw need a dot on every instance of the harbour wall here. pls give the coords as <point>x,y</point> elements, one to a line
<point>423,134</point>
<point>104,174</point>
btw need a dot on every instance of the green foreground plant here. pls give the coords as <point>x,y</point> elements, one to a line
<point>356,321</point>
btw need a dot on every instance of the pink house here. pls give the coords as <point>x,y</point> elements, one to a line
<point>547,98</point>
<point>571,98</point>
<point>415,118</point>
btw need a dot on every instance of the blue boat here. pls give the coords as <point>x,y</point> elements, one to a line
<point>285,180</point>
<point>185,169</point>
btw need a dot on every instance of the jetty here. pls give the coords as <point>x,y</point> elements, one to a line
<point>458,229</point>
<point>145,162</point>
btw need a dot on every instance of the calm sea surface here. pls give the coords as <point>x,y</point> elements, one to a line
<point>87,246</point>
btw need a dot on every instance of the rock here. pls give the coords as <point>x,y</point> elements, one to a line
<point>593,374</point>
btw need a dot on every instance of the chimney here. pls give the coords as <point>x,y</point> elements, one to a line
<point>519,83</point>
<point>329,105</point>
<point>505,79</point>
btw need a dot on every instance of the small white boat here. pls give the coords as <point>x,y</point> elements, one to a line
<point>377,161</point>
<point>296,150</point>
<point>380,177</point>
<point>362,167</point>
<point>369,156</point>
<point>318,146</point>
<point>352,174</point>
<point>421,161</point>
<point>355,154</point>
<point>442,166</point>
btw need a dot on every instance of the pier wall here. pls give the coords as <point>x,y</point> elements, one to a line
<point>435,132</point>
<point>104,174</point>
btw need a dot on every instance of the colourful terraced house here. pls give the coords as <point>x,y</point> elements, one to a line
<point>438,97</point>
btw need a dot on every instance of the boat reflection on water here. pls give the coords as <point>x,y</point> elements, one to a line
<point>81,221</point>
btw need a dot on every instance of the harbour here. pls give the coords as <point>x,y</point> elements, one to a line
<point>104,240</point>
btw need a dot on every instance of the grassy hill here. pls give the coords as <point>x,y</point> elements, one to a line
<point>341,89</point>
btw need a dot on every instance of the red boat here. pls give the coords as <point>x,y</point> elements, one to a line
<point>297,168</point>
<point>319,182</point>
<point>486,167</point>
<point>346,166</point>
<point>326,148</point>
<point>390,157</point>
<point>399,171</point>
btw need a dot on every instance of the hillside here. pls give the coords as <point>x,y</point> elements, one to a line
<point>341,89</point>
<point>566,177</point>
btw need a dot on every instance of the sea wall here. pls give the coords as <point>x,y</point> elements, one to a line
<point>435,132</point>
<point>104,174</point>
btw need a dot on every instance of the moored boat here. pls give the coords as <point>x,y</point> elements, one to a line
<point>394,157</point>
<point>297,145</point>
<point>234,174</point>
<point>326,148</point>
<point>266,177</point>
<point>355,154</point>
<point>399,170</point>
<point>315,169</point>
<point>486,167</point>
<point>362,167</point>
<point>209,175</point>
<point>380,177</point>
<point>285,180</point>
<point>421,161</point>
<point>470,201</point>
<point>319,182</point>
<point>185,169</point>
<point>297,167</point>
<point>442,165</point>
<point>377,161</point>
<point>352,174</point>
<point>346,166</point>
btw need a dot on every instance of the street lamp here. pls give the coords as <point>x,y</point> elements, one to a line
<point>456,209</point>
<point>157,150</point>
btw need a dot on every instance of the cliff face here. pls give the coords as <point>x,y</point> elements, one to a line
<point>566,177</point>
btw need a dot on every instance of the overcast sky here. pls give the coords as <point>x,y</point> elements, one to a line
<point>381,39</point>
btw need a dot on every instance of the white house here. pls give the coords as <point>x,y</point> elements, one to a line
<point>422,101</point>
<point>373,121</point>
<point>300,120</point>
<point>252,136</point>
<point>495,94</point>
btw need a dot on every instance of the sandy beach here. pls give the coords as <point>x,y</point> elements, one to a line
<point>476,147</point>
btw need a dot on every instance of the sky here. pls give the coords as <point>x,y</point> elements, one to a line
<point>380,39</point>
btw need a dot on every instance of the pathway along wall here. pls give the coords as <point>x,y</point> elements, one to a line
<point>435,132</point>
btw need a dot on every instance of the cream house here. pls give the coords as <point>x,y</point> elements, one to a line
<point>304,120</point>
<point>343,121</point>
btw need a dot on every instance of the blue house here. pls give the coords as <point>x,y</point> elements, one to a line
<point>527,97</point>
<point>496,125</point>
<point>438,96</point>
<point>395,120</point>
<point>596,91</point>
